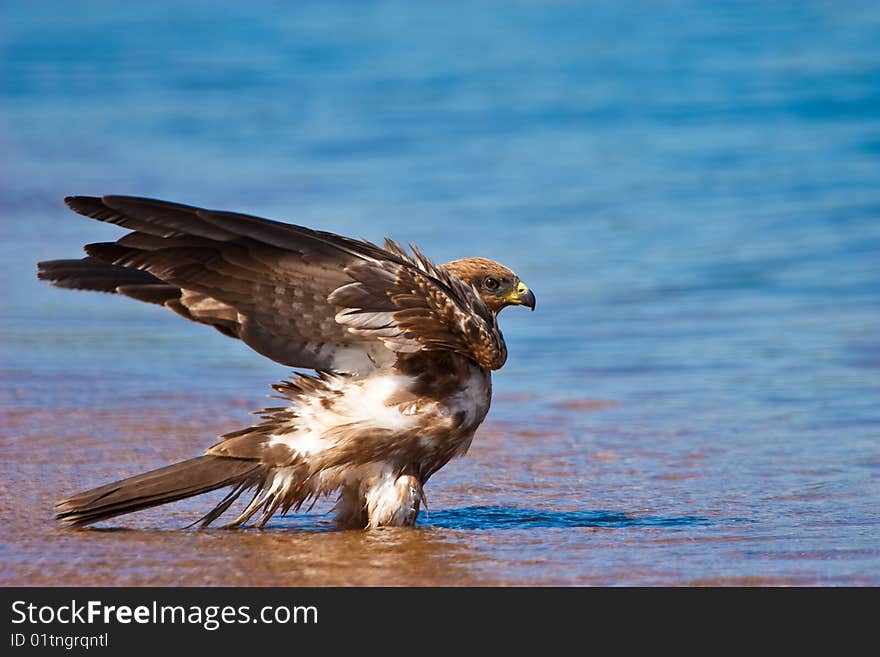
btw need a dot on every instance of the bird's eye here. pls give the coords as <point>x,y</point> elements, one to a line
<point>491,284</point>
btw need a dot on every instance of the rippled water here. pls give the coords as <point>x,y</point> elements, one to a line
<point>692,190</point>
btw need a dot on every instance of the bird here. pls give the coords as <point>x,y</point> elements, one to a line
<point>398,354</point>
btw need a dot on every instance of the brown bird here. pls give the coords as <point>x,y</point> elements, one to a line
<point>403,351</point>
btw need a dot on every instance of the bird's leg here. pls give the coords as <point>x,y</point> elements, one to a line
<point>386,500</point>
<point>351,508</point>
<point>393,501</point>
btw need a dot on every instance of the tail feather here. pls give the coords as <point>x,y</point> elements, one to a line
<point>168,484</point>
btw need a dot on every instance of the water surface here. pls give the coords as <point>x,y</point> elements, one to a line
<point>691,189</point>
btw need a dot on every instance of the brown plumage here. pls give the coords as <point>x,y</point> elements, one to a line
<point>403,350</point>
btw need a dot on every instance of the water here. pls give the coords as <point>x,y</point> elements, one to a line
<point>692,190</point>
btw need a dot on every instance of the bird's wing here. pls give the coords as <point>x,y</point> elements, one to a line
<point>411,304</point>
<point>302,297</point>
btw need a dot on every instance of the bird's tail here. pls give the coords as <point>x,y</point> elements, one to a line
<point>168,484</point>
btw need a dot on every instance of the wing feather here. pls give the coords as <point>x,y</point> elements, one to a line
<point>302,297</point>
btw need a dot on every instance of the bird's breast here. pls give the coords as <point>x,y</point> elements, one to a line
<point>461,390</point>
<point>470,404</point>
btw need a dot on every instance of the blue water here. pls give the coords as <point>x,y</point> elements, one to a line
<point>691,189</point>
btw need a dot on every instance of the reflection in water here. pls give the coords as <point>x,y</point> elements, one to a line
<point>389,556</point>
<point>270,557</point>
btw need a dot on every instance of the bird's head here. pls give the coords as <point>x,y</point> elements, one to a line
<point>497,286</point>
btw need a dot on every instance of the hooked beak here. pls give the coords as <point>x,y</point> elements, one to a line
<point>524,297</point>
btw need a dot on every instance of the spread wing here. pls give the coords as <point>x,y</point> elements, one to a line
<point>302,297</point>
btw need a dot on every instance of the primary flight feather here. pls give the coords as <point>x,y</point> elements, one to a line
<point>402,348</point>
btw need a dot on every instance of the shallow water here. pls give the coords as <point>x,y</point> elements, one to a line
<point>692,190</point>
